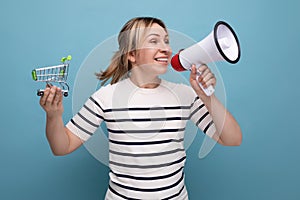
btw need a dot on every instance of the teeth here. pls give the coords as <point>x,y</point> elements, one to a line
<point>162,59</point>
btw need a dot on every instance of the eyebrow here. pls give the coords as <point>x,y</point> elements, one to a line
<point>156,34</point>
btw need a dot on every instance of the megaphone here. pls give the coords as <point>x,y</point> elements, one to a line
<point>220,45</point>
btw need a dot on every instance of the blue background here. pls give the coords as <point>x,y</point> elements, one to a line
<point>262,93</point>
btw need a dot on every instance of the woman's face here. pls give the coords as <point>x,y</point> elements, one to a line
<point>154,54</point>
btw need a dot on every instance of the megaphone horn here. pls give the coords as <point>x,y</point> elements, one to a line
<point>220,45</point>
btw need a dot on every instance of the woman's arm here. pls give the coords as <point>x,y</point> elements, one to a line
<point>228,131</point>
<point>61,140</point>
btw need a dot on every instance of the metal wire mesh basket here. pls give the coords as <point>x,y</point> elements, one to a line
<point>53,75</point>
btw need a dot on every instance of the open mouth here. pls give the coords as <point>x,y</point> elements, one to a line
<point>163,60</point>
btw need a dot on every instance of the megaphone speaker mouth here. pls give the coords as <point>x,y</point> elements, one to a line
<point>227,42</point>
<point>176,64</point>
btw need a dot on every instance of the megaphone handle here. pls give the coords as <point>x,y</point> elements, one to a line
<point>209,90</point>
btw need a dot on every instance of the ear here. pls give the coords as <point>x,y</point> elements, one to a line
<point>132,56</point>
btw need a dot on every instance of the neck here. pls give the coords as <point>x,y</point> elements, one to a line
<point>145,81</point>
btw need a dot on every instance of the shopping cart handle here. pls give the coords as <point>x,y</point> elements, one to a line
<point>64,59</point>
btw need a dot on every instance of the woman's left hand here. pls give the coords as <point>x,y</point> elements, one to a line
<point>206,78</point>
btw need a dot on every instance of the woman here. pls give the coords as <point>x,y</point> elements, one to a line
<point>145,116</point>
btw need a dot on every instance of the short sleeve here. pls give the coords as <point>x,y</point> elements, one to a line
<point>201,117</point>
<point>87,120</point>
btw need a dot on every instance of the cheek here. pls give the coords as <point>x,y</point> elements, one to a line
<point>146,56</point>
<point>170,55</point>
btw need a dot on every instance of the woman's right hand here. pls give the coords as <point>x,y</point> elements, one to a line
<point>51,101</point>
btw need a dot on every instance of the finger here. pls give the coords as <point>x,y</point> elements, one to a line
<point>201,71</point>
<point>211,81</point>
<point>49,85</point>
<point>204,73</point>
<point>44,97</point>
<point>51,95</point>
<point>58,96</point>
<point>193,74</point>
<point>194,69</point>
<point>202,68</point>
<point>203,77</point>
<point>207,76</point>
<point>193,80</point>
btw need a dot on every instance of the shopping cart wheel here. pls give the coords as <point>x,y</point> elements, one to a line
<point>65,94</point>
<point>40,93</point>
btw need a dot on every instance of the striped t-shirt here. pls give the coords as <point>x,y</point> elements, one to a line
<point>146,131</point>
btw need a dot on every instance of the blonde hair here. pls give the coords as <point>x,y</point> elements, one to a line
<point>129,39</point>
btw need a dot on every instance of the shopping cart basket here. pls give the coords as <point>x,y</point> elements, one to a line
<point>53,75</point>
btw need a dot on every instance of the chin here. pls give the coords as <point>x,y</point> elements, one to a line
<point>161,69</point>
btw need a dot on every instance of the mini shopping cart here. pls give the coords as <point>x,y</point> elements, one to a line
<point>53,75</point>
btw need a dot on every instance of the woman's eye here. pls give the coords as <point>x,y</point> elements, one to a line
<point>153,41</point>
<point>167,41</point>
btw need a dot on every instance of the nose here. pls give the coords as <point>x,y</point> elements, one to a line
<point>165,48</point>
